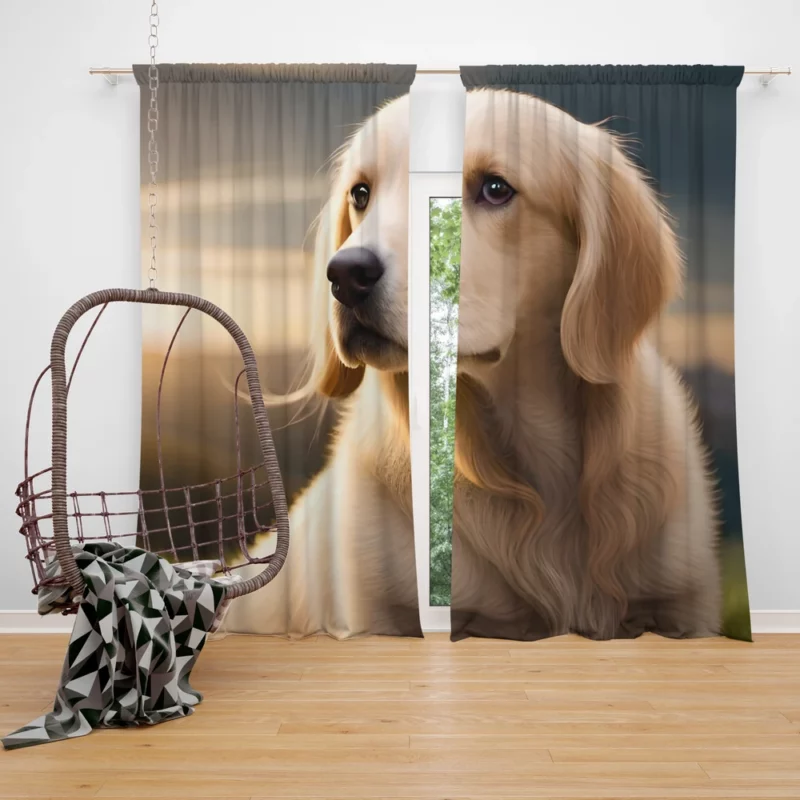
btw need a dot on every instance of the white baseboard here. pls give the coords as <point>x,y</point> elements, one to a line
<point>31,622</point>
<point>775,621</point>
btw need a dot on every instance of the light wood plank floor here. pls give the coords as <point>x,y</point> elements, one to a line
<point>389,718</point>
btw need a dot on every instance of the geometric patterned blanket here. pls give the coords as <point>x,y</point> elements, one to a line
<point>139,630</point>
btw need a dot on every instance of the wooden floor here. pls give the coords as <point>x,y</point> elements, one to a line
<point>386,718</point>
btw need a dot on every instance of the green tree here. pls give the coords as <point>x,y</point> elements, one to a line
<point>445,258</point>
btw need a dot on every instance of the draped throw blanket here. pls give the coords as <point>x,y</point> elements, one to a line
<point>137,636</point>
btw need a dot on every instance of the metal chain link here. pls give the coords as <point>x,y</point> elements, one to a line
<point>152,149</point>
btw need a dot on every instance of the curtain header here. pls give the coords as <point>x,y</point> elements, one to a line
<point>698,74</point>
<point>398,74</point>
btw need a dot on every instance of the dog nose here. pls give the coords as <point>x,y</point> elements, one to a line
<point>353,273</point>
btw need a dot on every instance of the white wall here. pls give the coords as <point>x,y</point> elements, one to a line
<point>69,200</point>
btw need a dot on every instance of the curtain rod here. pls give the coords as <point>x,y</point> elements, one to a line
<point>447,71</point>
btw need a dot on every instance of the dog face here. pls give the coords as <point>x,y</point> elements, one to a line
<point>362,254</point>
<point>560,233</point>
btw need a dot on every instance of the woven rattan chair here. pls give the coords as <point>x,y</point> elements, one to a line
<point>48,511</point>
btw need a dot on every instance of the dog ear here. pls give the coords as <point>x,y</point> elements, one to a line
<point>629,265</point>
<point>331,377</point>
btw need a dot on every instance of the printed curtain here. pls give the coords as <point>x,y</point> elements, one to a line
<point>266,172</point>
<point>596,477</point>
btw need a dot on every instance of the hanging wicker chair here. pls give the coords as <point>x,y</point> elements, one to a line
<point>250,502</point>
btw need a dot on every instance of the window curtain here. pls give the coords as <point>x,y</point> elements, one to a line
<point>596,485</point>
<point>263,171</point>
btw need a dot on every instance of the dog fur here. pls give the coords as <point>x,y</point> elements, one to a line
<point>583,498</point>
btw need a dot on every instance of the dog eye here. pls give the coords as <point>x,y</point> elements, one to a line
<point>359,196</point>
<point>495,190</point>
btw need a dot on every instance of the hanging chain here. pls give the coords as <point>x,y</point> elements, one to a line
<point>152,149</point>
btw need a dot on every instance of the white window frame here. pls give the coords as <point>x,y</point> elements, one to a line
<point>423,187</point>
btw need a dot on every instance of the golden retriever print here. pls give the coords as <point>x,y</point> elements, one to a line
<point>583,500</point>
<point>583,497</point>
<point>351,568</point>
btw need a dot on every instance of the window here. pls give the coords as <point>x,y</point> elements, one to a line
<point>435,252</point>
<point>444,263</point>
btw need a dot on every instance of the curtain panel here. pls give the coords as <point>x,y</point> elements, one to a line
<point>595,414</point>
<point>262,172</point>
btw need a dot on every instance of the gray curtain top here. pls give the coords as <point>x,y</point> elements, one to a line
<point>397,74</point>
<point>495,75</point>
